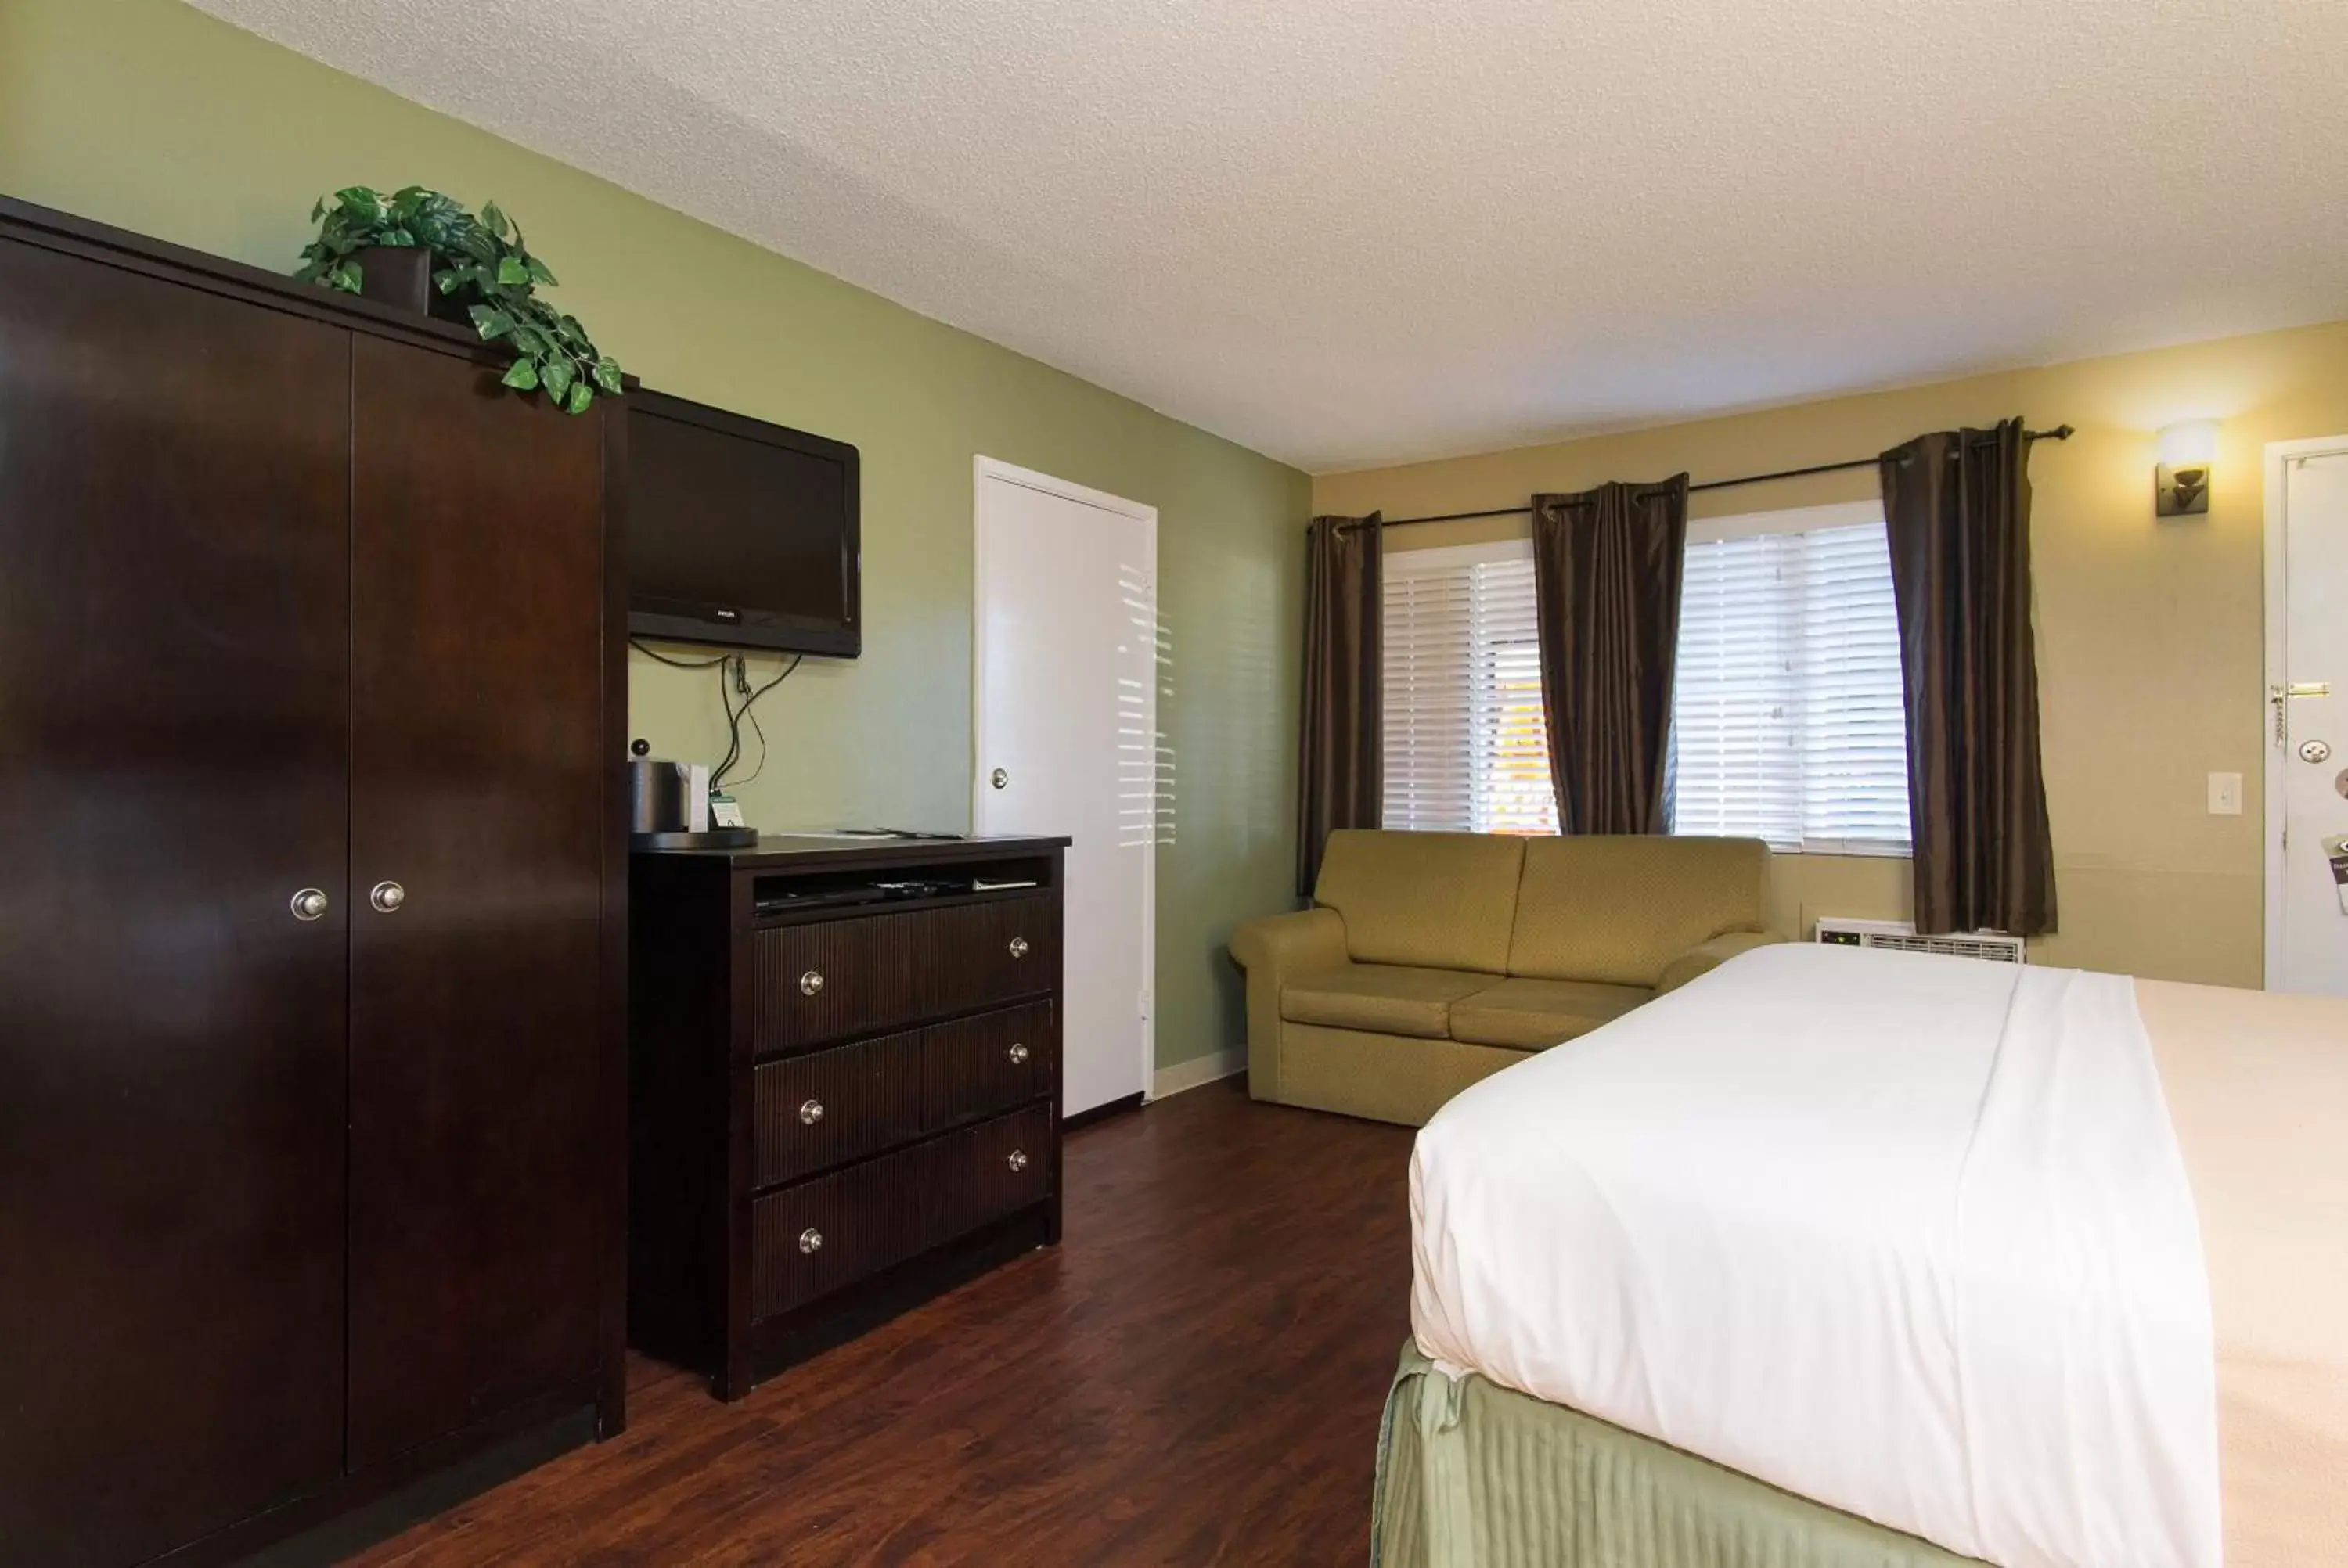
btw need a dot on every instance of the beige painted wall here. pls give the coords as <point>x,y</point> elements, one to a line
<point>2150,645</point>
<point>154,116</point>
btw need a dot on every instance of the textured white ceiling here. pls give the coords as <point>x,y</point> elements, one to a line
<point>1361,230</point>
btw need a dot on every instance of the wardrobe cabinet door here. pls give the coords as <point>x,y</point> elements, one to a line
<point>477,1179</point>
<point>174,641</point>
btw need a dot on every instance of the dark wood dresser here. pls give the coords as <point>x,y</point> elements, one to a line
<point>844,1098</point>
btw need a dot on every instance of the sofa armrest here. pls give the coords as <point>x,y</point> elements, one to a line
<point>1270,950</point>
<point>1305,940</point>
<point>1707,957</point>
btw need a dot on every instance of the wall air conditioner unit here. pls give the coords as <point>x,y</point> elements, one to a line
<point>1900,936</point>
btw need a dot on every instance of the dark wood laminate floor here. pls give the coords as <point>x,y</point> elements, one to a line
<point>1193,1376</point>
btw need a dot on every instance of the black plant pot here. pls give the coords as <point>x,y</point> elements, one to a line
<point>400,276</point>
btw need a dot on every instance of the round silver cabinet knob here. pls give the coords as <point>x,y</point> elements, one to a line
<point>999,779</point>
<point>1018,1159</point>
<point>1018,1054</point>
<point>1018,946</point>
<point>810,1240</point>
<point>310,904</point>
<point>811,1112</point>
<point>810,983</point>
<point>2315,751</point>
<point>386,896</point>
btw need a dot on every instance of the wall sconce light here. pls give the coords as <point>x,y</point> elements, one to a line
<point>2180,484</point>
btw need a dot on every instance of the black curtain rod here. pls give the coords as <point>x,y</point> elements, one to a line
<point>2060,433</point>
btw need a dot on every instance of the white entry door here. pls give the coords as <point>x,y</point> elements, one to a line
<point>1066,711</point>
<point>2307,717</point>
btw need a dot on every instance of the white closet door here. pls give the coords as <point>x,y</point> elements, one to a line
<point>1066,709</point>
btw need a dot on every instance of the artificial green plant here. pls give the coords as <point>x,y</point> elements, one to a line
<point>480,263</point>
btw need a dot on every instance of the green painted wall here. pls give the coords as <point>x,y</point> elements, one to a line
<point>154,116</point>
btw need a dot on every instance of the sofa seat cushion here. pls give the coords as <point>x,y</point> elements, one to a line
<point>1385,999</point>
<point>1531,1014</point>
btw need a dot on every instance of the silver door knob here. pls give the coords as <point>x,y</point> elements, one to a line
<point>999,779</point>
<point>386,896</point>
<point>1018,1054</point>
<point>810,983</point>
<point>1018,1159</point>
<point>810,1240</point>
<point>310,904</point>
<point>1018,946</point>
<point>811,1112</point>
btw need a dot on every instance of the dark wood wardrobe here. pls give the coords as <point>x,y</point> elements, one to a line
<point>311,903</point>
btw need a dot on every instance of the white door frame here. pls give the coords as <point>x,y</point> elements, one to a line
<point>2280,455</point>
<point>983,468</point>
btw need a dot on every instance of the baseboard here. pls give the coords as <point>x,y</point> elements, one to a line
<point>1198,1072</point>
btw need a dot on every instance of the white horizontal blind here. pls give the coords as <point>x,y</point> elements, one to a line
<point>1786,719</point>
<point>1427,644</point>
<point>1467,748</point>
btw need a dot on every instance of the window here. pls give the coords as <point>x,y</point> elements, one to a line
<point>1465,745</point>
<point>1787,717</point>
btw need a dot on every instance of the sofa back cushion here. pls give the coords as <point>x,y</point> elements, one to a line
<point>1437,900</point>
<point>1615,910</point>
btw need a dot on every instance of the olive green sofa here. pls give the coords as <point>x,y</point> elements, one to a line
<point>1432,959</point>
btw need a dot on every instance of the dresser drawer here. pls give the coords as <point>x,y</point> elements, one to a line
<point>977,1066</point>
<point>834,978</point>
<point>832,1106</point>
<point>996,1168</point>
<point>814,1238</point>
<point>821,1236</point>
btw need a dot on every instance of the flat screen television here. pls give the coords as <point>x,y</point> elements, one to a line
<point>740,532</point>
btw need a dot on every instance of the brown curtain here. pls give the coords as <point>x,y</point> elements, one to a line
<point>1958,506</point>
<point>1606,572</point>
<point>1341,761</point>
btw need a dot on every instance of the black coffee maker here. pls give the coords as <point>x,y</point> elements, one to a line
<point>668,807</point>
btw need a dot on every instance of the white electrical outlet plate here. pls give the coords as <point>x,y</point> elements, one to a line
<point>2225,795</point>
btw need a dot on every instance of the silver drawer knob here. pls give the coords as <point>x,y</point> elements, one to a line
<point>810,983</point>
<point>999,779</point>
<point>810,1240</point>
<point>310,904</point>
<point>811,1112</point>
<point>1018,1159</point>
<point>1018,1054</point>
<point>386,896</point>
<point>1018,946</point>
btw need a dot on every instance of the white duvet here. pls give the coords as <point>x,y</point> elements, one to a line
<point>1908,1236</point>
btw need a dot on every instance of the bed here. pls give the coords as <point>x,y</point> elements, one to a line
<point>1848,1257</point>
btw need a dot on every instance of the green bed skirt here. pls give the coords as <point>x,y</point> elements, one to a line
<point>1473,1475</point>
